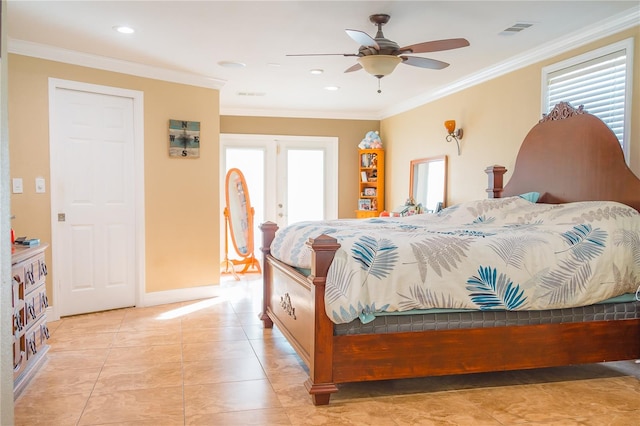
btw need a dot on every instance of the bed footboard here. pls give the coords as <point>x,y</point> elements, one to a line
<point>295,304</point>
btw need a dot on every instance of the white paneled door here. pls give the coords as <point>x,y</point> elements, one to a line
<point>93,195</point>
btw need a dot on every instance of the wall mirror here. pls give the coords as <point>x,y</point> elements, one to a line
<point>238,215</point>
<point>428,182</point>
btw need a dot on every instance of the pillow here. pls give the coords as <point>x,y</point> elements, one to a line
<point>531,196</point>
<point>469,211</point>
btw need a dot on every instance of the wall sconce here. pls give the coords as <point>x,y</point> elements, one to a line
<point>454,134</point>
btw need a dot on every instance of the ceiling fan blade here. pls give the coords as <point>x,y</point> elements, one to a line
<point>436,45</point>
<point>324,54</point>
<point>362,38</point>
<point>352,68</point>
<point>423,62</point>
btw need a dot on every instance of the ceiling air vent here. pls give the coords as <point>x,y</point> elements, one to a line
<point>515,28</point>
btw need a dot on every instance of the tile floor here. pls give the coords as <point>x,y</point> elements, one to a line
<point>210,362</point>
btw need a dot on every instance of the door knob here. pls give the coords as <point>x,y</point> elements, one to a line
<point>62,217</point>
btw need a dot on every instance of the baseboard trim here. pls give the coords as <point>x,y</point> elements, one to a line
<point>162,298</point>
<point>178,295</point>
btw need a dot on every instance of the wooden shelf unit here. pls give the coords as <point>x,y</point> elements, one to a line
<point>371,183</point>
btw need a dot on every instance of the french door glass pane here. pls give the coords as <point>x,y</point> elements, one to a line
<point>305,185</point>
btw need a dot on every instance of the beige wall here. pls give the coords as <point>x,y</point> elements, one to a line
<point>495,115</point>
<point>348,132</point>
<point>182,208</point>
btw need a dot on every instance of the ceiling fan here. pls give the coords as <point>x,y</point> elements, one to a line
<point>379,56</point>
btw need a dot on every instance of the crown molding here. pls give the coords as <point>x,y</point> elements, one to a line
<point>615,24</point>
<point>320,114</point>
<point>43,51</point>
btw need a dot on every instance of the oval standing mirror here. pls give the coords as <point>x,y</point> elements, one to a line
<point>238,223</point>
<point>428,182</point>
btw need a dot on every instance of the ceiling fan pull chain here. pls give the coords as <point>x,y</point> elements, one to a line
<point>379,91</point>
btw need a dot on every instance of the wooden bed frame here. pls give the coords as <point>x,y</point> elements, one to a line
<point>568,156</point>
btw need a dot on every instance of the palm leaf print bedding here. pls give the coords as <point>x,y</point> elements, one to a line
<point>491,254</point>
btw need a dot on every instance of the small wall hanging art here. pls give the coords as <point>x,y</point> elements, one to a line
<point>184,139</point>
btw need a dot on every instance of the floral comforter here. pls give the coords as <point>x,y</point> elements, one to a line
<point>491,254</point>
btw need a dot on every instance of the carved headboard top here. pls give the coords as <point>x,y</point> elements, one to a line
<point>561,111</point>
<point>571,155</point>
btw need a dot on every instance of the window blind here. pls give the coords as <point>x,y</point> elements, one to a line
<point>599,84</point>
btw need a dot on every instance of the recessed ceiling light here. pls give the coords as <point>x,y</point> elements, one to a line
<point>231,64</point>
<point>316,71</point>
<point>124,29</point>
<point>332,88</point>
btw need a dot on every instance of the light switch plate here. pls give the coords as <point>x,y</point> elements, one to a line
<point>40,186</point>
<point>17,185</point>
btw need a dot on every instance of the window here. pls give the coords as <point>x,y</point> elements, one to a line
<point>601,81</point>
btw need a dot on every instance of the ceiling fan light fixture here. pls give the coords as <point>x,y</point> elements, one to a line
<point>379,65</point>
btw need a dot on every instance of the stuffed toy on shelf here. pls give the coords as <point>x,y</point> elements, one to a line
<point>371,141</point>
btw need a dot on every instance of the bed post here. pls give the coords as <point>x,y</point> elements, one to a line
<point>495,174</point>
<point>320,383</point>
<point>268,234</point>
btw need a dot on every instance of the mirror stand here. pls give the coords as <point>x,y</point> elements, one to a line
<point>226,265</point>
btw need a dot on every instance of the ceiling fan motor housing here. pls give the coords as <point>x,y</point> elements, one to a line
<point>387,47</point>
<point>379,19</point>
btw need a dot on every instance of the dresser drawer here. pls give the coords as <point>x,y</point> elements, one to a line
<point>19,355</point>
<point>17,275</point>
<point>19,319</point>
<point>36,338</point>
<point>17,291</point>
<point>34,272</point>
<point>35,304</point>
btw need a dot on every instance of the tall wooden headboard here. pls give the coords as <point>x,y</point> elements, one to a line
<point>568,156</point>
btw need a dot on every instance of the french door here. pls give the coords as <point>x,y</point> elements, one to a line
<point>290,178</point>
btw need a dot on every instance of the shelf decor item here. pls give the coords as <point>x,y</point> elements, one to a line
<point>364,204</point>
<point>371,141</point>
